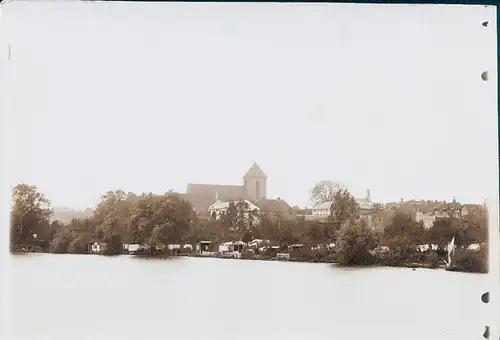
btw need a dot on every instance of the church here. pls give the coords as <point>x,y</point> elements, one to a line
<point>254,189</point>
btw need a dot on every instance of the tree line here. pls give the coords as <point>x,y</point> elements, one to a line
<point>165,219</point>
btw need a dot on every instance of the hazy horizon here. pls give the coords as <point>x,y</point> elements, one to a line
<point>148,97</point>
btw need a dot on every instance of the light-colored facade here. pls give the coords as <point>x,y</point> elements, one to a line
<point>217,208</point>
<point>322,210</point>
<point>429,218</point>
<point>99,247</point>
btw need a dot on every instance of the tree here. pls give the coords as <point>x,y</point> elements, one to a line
<point>239,217</point>
<point>270,226</point>
<point>476,228</point>
<point>115,245</point>
<point>344,208</point>
<point>317,234</point>
<point>205,230</point>
<point>288,236</point>
<point>113,219</point>
<point>403,232</point>
<point>77,245</point>
<point>251,235</point>
<point>443,230</point>
<point>472,261</point>
<point>30,214</point>
<point>74,237</point>
<point>160,219</point>
<point>354,242</point>
<point>60,243</point>
<point>112,214</point>
<point>324,191</point>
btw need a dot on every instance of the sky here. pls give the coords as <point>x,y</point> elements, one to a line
<point>148,97</point>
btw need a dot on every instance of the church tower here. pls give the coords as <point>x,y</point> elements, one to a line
<point>255,183</point>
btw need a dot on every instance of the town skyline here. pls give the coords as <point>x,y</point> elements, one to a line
<point>309,204</point>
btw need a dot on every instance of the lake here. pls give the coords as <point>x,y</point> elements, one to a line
<point>96,297</point>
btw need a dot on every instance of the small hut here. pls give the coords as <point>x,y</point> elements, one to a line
<point>237,246</point>
<point>204,246</point>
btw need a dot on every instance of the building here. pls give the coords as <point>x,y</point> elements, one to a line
<point>428,218</point>
<point>379,220</point>
<point>99,247</point>
<point>425,206</point>
<point>254,188</point>
<point>322,210</point>
<point>473,210</point>
<point>365,203</point>
<point>216,209</point>
<point>275,206</point>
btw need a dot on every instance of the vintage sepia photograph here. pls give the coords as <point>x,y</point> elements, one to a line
<point>249,171</point>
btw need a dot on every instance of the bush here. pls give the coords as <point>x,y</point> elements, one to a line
<point>329,257</point>
<point>393,259</point>
<point>316,256</point>
<point>472,261</point>
<point>431,259</point>
<point>401,256</point>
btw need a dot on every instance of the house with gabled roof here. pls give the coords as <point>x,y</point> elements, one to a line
<point>219,207</point>
<point>277,205</point>
<point>473,210</point>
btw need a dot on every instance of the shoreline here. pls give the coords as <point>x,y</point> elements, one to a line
<point>413,266</point>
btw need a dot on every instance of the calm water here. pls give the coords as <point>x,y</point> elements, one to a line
<point>94,297</point>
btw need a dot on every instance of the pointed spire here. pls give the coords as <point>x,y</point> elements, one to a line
<point>255,172</point>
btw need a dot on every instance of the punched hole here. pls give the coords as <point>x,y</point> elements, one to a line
<point>485,297</point>
<point>486,333</point>
<point>484,76</point>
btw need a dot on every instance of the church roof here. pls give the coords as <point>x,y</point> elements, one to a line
<point>202,196</point>
<point>255,172</point>
<point>270,205</point>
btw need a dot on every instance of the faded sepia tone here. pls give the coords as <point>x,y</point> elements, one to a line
<point>186,168</point>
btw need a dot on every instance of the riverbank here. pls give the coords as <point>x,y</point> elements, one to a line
<point>467,262</point>
<point>413,266</point>
<point>410,265</point>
